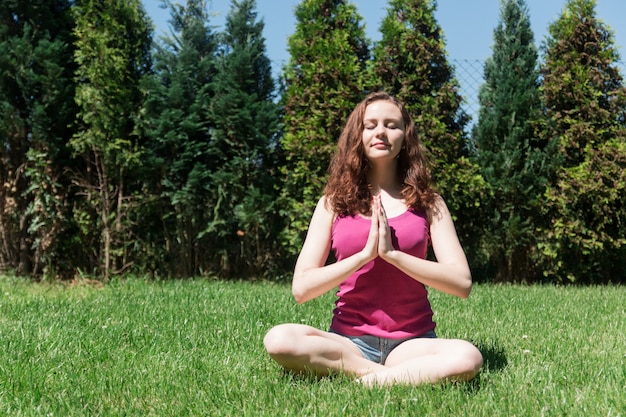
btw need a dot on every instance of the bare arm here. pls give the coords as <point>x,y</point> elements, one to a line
<point>312,277</point>
<point>450,273</point>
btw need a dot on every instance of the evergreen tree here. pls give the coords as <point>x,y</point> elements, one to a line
<point>36,118</point>
<point>410,62</point>
<point>113,41</point>
<point>507,151</point>
<point>243,148</point>
<point>177,123</point>
<point>585,102</point>
<point>324,80</point>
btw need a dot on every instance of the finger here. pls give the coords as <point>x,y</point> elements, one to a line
<point>375,219</point>
<point>384,232</point>
<point>383,225</point>
<point>382,215</point>
<point>372,241</point>
<point>380,203</point>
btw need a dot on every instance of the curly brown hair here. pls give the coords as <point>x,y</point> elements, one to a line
<point>347,190</point>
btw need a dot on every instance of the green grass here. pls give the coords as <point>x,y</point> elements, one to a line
<point>194,348</point>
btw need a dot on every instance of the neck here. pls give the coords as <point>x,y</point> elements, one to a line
<point>384,179</point>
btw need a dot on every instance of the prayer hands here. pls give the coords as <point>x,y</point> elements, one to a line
<point>379,239</point>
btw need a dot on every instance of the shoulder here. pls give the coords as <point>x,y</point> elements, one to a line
<point>438,211</point>
<point>323,211</point>
<point>320,228</point>
<point>323,205</point>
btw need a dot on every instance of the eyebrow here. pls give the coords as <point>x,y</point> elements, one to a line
<point>384,120</point>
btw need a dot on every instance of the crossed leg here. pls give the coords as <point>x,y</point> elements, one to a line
<point>301,348</point>
<point>419,361</point>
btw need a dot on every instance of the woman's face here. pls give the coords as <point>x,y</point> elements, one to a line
<point>383,131</point>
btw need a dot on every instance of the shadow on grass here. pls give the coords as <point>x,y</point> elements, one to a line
<point>494,360</point>
<point>494,356</point>
<point>297,378</point>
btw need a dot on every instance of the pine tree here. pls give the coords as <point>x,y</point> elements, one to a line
<point>507,151</point>
<point>585,102</point>
<point>245,119</point>
<point>410,62</point>
<point>113,41</point>
<point>177,123</point>
<point>324,80</point>
<point>36,118</point>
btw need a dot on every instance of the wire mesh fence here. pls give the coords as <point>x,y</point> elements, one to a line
<point>470,76</point>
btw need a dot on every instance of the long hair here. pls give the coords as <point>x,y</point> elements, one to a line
<point>347,190</point>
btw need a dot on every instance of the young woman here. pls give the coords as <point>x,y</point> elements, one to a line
<point>378,215</point>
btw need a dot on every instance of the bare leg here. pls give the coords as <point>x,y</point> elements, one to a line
<point>420,361</point>
<point>300,348</point>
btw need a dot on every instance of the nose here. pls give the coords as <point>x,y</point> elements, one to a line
<point>379,131</point>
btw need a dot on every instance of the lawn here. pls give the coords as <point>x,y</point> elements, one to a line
<point>194,348</point>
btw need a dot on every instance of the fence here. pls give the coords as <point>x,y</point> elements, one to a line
<point>469,74</point>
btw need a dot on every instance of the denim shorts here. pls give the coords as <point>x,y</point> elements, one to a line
<point>376,349</point>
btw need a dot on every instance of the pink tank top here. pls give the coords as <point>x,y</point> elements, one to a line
<point>379,299</point>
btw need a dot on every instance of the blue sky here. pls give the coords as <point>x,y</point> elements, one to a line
<point>467,24</point>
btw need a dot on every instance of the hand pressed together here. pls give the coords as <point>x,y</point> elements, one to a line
<point>379,239</point>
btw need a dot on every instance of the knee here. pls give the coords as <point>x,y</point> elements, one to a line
<point>279,340</point>
<point>470,360</point>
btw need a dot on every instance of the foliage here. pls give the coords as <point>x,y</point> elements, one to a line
<point>507,149</point>
<point>410,62</point>
<point>212,119</point>
<point>36,115</point>
<point>324,80</point>
<point>585,102</point>
<point>244,147</point>
<point>178,128</point>
<point>196,166</point>
<point>110,67</point>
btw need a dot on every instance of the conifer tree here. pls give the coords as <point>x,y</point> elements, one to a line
<point>324,80</point>
<point>507,151</point>
<point>36,117</point>
<point>585,103</point>
<point>243,146</point>
<point>113,41</point>
<point>410,62</point>
<point>178,127</point>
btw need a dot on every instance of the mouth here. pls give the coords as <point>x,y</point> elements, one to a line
<point>380,145</point>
